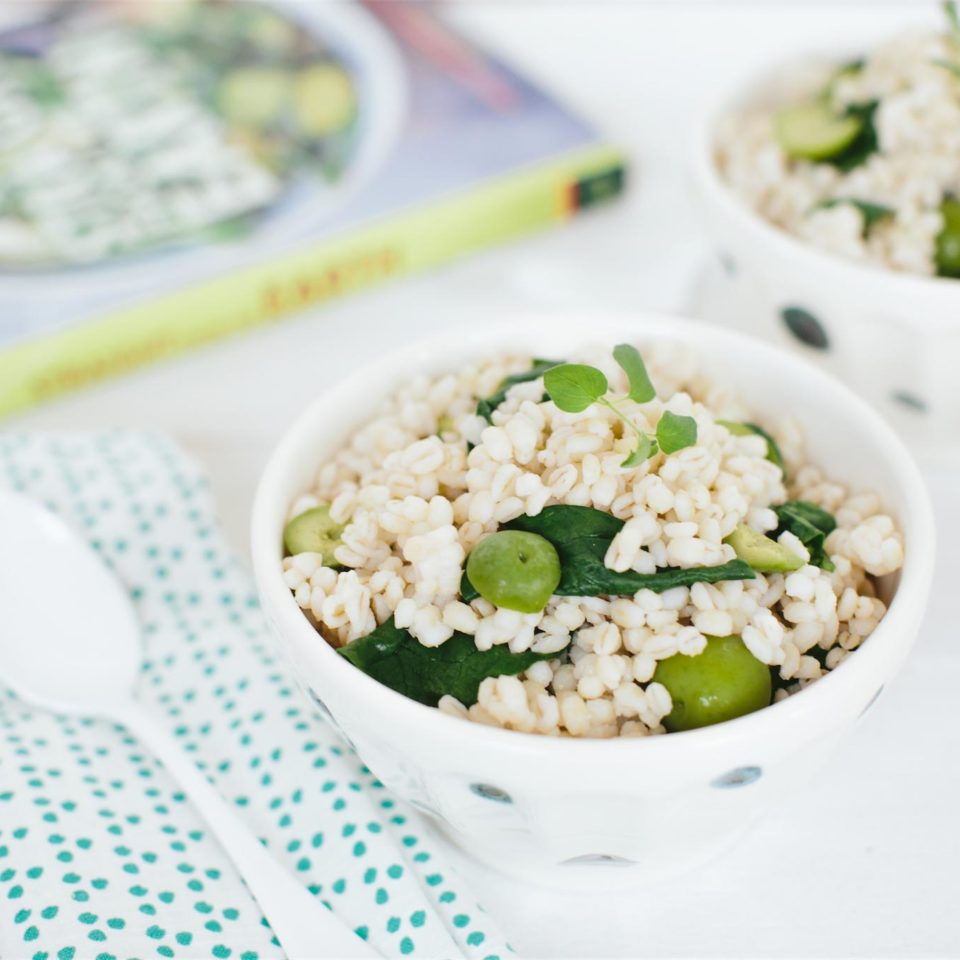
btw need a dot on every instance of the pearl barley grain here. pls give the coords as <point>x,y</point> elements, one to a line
<point>415,501</point>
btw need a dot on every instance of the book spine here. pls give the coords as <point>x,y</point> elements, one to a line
<point>121,340</point>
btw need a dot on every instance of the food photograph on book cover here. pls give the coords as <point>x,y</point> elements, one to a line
<point>479,479</point>
<point>153,147</point>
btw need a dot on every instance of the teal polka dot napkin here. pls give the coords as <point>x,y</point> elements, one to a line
<point>100,855</point>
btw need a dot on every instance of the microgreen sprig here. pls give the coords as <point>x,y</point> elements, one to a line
<point>953,32</point>
<point>575,386</point>
<point>953,18</point>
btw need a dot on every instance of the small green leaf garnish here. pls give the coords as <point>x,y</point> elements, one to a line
<point>872,213</point>
<point>674,432</point>
<point>954,68</point>
<point>646,447</point>
<point>953,19</point>
<point>574,386</point>
<point>641,389</point>
<point>953,34</point>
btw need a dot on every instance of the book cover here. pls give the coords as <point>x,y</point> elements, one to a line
<point>172,172</point>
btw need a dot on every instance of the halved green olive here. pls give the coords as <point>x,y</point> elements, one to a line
<point>722,682</point>
<point>313,531</point>
<point>812,131</point>
<point>948,240</point>
<point>515,570</point>
<point>761,552</point>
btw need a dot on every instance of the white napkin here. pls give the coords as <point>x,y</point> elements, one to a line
<point>100,855</point>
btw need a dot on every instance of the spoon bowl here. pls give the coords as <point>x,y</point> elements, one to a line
<point>72,643</point>
<point>71,640</point>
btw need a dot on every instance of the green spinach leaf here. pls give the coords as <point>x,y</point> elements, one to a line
<point>865,144</point>
<point>872,213</point>
<point>948,65</point>
<point>486,406</point>
<point>773,448</point>
<point>849,69</point>
<point>398,660</point>
<point>582,536</point>
<point>740,428</point>
<point>811,525</point>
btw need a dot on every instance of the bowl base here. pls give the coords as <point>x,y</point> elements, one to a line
<point>589,872</point>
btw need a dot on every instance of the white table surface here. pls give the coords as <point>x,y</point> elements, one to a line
<point>865,861</point>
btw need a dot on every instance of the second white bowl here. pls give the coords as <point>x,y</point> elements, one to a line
<point>893,337</point>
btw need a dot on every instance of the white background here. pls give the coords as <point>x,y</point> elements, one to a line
<point>866,861</point>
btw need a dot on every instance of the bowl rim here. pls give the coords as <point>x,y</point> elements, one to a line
<point>807,255</point>
<point>892,633</point>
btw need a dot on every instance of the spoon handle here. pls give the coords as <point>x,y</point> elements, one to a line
<point>305,928</point>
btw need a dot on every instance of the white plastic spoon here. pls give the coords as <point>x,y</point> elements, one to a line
<point>75,648</point>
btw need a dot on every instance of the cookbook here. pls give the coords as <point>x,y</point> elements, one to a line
<point>173,172</point>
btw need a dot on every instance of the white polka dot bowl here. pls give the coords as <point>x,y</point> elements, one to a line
<point>893,337</point>
<point>591,812</point>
